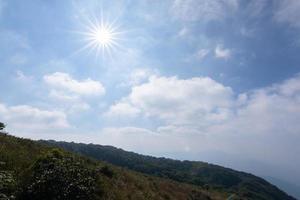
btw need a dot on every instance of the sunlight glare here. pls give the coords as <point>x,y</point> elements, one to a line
<point>102,37</point>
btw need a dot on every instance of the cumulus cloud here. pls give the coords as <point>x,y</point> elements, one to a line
<point>178,101</point>
<point>24,119</point>
<point>204,10</point>
<point>64,82</point>
<point>288,11</point>
<point>222,53</point>
<point>73,95</point>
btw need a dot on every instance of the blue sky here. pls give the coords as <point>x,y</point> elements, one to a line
<point>209,80</point>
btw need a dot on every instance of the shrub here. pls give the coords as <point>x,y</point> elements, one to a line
<point>61,177</point>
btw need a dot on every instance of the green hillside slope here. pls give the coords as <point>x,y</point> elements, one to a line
<point>35,171</point>
<point>206,175</point>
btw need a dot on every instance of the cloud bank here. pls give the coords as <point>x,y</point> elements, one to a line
<point>27,120</point>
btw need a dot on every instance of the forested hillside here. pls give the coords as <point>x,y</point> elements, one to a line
<point>201,174</point>
<point>33,171</point>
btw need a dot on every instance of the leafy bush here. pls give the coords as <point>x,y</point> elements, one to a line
<point>2,126</point>
<point>61,177</point>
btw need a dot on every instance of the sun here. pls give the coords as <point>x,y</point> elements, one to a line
<point>102,37</point>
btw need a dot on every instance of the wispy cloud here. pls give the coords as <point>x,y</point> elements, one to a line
<point>183,32</point>
<point>205,10</point>
<point>222,53</point>
<point>22,77</point>
<point>202,53</point>
<point>288,11</point>
<point>138,76</point>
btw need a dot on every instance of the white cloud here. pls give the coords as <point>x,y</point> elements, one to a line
<point>204,10</point>
<point>62,96</point>
<point>142,140</point>
<point>138,76</point>
<point>64,82</point>
<point>22,77</point>
<point>266,126</point>
<point>122,109</point>
<point>222,53</point>
<point>199,55</point>
<point>183,32</point>
<point>70,103</point>
<point>78,107</point>
<point>178,101</point>
<point>70,94</point>
<point>24,119</point>
<point>202,53</point>
<point>288,11</point>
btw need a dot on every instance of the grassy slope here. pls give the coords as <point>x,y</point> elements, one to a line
<point>20,157</point>
<point>245,185</point>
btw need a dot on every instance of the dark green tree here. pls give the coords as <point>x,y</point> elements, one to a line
<point>2,126</point>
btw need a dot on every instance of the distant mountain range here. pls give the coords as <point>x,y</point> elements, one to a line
<point>243,185</point>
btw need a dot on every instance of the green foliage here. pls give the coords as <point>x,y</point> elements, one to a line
<point>62,177</point>
<point>107,171</point>
<point>2,126</point>
<point>7,183</point>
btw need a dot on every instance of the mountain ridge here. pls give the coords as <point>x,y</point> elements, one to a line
<point>191,172</point>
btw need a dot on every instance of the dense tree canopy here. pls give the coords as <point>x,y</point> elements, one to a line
<point>2,126</point>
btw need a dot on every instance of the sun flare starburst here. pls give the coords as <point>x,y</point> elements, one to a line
<point>102,37</point>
